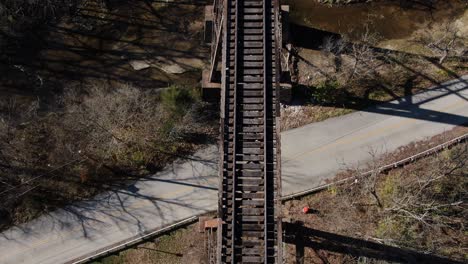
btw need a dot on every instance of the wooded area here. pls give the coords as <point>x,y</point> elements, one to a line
<point>75,118</point>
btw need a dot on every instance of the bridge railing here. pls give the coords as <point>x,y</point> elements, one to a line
<point>218,18</point>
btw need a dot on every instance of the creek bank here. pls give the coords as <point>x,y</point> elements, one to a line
<point>349,57</point>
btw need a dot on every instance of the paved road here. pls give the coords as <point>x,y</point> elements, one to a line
<point>310,155</point>
<point>317,151</point>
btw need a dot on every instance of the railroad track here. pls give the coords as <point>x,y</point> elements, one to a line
<point>250,188</point>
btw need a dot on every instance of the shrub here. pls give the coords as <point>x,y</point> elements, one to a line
<point>178,100</point>
<point>326,92</point>
<point>99,134</point>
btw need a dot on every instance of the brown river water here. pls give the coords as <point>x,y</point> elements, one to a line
<point>390,19</point>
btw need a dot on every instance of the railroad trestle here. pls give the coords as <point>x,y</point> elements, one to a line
<point>245,58</point>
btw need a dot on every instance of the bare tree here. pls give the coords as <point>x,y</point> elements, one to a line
<point>366,180</point>
<point>363,57</point>
<point>418,201</point>
<point>113,122</point>
<point>93,136</point>
<point>21,18</point>
<point>445,40</point>
<point>354,59</point>
<point>34,9</point>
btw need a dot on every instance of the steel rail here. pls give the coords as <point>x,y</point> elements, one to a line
<point>249,185</point>
<point>265,132</point>
<point>234,174</point>
<point>277,198</point>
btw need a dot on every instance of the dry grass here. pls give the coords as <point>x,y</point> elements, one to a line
<point>185,245</point>
<point>99,138</point>
<point>297,116</point>
<point>422,208</point>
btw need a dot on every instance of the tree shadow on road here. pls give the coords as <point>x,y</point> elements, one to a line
<point>399,97</point>
<point>132,207</point>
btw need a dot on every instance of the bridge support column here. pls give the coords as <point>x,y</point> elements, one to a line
<point>285,84</point>
<point>209,25</point>
<point>211,91</point>
<point>211,80</point>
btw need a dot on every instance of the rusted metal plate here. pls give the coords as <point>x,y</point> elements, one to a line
<point>212,223</point>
